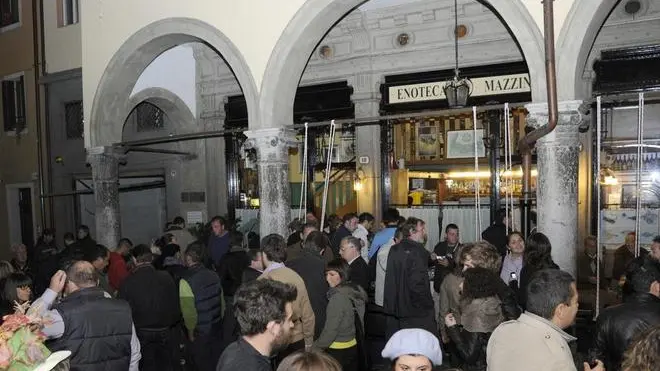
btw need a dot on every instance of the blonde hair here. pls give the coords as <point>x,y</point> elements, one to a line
<point>309,361</point>
<point>644,353</point>
<point>483,255</point>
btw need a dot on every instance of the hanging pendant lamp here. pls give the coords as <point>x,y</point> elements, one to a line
<point>458,90</point>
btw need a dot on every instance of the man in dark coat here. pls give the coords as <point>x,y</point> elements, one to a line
<point>97,329</point>
<point>497,234</point>
<point>407,296</point>
<point>444,255</point>
<point>358,268</point>
<point>617,326</point>
<point>310,266</point>
<point>202,307</point>
<point>350,222</point>
<point>230,269</point>
<point>154,300</point>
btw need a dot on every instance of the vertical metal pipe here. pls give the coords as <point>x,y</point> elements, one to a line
<point>37,102</point>
<point>638,174</point>
<point>494,123</point>
<point>526,200</point>
<point>527,143</point>
<point>599,255</point>
<point>477,201</point>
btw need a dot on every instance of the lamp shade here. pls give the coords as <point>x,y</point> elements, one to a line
<point>457,92</point>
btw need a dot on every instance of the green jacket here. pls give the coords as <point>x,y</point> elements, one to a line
<point>340,318</point>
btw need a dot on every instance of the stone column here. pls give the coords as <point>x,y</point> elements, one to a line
<point>105,177</point>
<point>366,97</point>
<point>213,118</point>
<point>272,146</point>
<point>557,182</point>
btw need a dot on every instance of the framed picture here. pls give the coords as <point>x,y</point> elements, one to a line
<point>428,141</point>
<point>628,196</point>
<point>460,144</point>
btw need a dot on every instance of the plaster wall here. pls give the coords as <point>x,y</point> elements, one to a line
<point>63,43</point>
<point>115,21</point>
<point>174,71</point>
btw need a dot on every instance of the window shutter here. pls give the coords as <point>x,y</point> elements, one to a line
<point>20,104</point>
<point>8,106</point>
<point>14,11</point>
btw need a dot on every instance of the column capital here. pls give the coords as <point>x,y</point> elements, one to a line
<point>105,150</point>
<point>98,156</point>
<point>569,119</point>
<point>564,107</point>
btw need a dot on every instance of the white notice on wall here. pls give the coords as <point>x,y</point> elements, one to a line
<point>194,217</point>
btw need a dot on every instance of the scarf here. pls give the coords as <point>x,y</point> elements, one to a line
<point>482,315</point>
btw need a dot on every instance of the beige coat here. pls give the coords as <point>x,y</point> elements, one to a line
<point>303,316</point>
<point>529,343</point>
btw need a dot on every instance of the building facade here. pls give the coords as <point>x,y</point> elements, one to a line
<point>20,217</point>
<point>175,70</point>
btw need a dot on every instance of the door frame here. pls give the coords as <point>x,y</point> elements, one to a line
<point>13,212</point>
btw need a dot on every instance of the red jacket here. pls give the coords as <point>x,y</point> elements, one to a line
<point>117,270</point>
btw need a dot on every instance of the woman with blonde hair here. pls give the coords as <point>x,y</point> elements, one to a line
<point>643,354</point>
<point>311,360</point>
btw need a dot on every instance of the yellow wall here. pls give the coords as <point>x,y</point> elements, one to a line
<point>295,176</point>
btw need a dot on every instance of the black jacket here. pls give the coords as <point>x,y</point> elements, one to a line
<point>207,289</point>
<point>337,236</point>
<point>497,235</point>
<point>407,286</point>
<point>359,274</point>
<point>617,326</point>
<point>153,297</point>
<point>443,249</point>
<point>471,347</point>
<point>230,270</point>
<point>311,269</point>
<point>97,331</point>
<point>509,299</point>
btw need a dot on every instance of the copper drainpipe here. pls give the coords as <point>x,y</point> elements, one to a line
<point>526,144</point>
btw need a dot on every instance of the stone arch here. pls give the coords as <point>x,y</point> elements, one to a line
<point>576,38</point>
<point>315,18</point>
<point>111,100</point>
<point>173,106</point>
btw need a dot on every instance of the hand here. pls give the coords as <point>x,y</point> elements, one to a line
<point>450,321</point>
<point>599,366</point>
<point>434,257</point>
<point>444,262</point>
<point>58,281</point>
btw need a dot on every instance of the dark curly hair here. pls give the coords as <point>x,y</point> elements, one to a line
<point>479,283</point>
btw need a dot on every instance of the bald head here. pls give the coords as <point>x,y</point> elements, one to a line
<point>82,274</point>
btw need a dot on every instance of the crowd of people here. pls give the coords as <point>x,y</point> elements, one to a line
<point>350,297</point>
